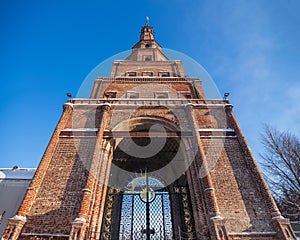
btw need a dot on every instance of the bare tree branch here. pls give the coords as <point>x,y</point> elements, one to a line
<point>281,166</point>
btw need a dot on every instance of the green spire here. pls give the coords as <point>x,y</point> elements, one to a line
<point>147,21</point>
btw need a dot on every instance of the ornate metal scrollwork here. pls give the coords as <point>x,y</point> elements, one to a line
<point>189,232</point>
<point>106,235</point>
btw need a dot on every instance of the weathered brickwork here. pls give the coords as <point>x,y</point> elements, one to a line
<point>175,88</point>
<point>84,117</point>
<point>58,199</point>
<point>174,68</point>
<point>235,186</point>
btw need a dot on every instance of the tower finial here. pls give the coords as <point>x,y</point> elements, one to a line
<point>147,21</point>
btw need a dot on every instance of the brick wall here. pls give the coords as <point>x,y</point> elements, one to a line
<point>58,199</point>
<point>237,194</point>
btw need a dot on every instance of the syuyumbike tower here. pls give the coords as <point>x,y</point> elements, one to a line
<point>148,156</point>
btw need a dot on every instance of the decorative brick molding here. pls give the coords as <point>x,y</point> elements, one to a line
<point>14,228</point>
<point>284,229</point>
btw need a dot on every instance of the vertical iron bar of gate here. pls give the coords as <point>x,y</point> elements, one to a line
<point>132,216</point>
<point>163,210</point>
<point>147,209</point>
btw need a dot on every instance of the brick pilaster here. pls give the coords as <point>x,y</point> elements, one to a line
<point>201,159</point>
<point>14,227</point>
<point>284,229</point>
<point>79,225</point>
<point>200,164</point>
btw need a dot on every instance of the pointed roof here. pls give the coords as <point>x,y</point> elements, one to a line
<point>147,49</point>
<point>147,39</point>
<point>147,59</point>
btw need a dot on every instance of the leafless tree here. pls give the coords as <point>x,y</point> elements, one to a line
<point>281,166</point>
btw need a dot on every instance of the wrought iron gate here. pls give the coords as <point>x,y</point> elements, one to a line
<point>146,210</point>
<point>135,216</point>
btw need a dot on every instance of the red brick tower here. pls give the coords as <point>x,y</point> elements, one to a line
<point>147,156</point>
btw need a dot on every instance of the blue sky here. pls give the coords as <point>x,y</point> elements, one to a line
<point>47,48</point>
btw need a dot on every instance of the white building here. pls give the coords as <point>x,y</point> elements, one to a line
<point>13,185</point>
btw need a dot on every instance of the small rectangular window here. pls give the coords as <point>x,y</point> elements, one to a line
<point>147,58</point>
<point>184,94</point>
<point>110,94</point>
<point>132,94</point>
<point>147,74</point>
<point>131,74</point>
<point>164,74</point>
<point>162,94</point>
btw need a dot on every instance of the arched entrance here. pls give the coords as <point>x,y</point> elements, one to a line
<point>139,203</point>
